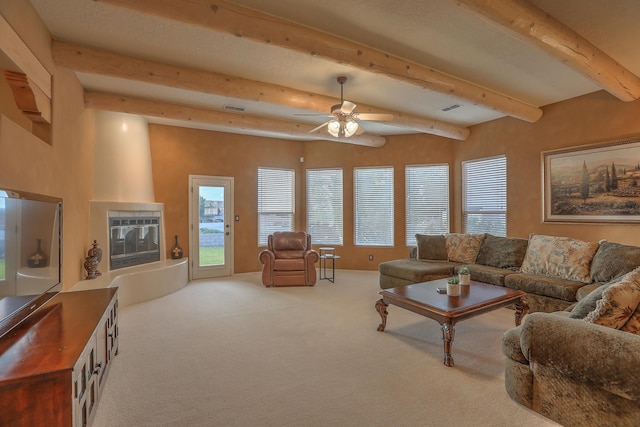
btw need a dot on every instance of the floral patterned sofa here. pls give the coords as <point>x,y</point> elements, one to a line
<point>555,272</point>
<point>580,367</point>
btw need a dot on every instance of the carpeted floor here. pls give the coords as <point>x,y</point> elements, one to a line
<point>230,352</point>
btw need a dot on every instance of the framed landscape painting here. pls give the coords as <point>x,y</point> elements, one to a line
<point>598,183</point>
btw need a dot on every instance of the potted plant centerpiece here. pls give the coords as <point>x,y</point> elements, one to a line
<point>453,286</point>
<point>464,276</point>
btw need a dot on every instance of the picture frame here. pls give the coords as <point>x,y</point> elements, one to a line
<point>593,183</point>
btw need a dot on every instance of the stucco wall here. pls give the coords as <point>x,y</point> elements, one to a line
<point>580,121</point>
<point>62,168</point>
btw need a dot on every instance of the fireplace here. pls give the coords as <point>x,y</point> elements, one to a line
<point>134,238</point>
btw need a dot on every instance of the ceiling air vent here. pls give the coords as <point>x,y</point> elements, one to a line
<point>233,108</point>
<point>451,107</point>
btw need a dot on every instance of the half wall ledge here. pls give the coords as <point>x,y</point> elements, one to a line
<point>141,283</point>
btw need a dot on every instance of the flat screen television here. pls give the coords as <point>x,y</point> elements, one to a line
<point>30,254</point>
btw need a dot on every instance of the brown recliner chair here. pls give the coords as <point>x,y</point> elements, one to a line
<point>289,260</point>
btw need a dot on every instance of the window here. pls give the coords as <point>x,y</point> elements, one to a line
<point>324,206</point>
<point>373,193</point>
<point>276,202</point>
<point>427,207</point>
<point>484,201</point>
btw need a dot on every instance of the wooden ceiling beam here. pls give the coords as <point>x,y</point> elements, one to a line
<point>534,25</point>
<point>228,121</point>
<point>221,16</point>
<point>95,61</point>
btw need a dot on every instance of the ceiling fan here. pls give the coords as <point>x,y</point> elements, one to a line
<point>344,120</point>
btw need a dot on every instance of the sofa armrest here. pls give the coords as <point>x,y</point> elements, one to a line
<point>593,354</point>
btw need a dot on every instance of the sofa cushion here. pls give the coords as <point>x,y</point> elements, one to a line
<point>486,274</point>
<point>613,260</point>
<point>431,248</point>
<point>561,257</point>
<point>463,247</point>
<point>416,271</point>
<point>618,302</point>
<point>502,252</point>
<point>560,289</point>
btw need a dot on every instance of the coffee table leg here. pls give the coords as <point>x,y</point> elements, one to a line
<point>448,333</point>
<point>522,308</point>
<point>381,308</point>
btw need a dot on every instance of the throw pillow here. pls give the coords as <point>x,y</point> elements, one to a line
<point>587,304</point>
<point>463,247</point>
<point>618,302</point>
<point>431,248</point>
<point>502,252</point>
<point>613,260</point>
<point>633,325</point>
<point>561,257</point>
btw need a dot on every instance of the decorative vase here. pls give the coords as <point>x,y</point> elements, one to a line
<point>176,252</point>
<point>38,258</point>
<point>453,289</point>
<point>96,252</point>
<point>91,265</point>
<point>465,279</point>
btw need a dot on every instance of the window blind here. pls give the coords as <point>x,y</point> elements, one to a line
<point>324,206</point>
<point>373,200</point>
<point>427,200</point>
<point>485,196</point>
<point>276,202</point>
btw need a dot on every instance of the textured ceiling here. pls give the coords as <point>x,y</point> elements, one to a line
<point>436,33</point>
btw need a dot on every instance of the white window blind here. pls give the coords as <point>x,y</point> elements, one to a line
<point>373,194</point>
<point>485,196</point>
<point>276,202</point>
<point>324,206</point>
<point>427,206</point>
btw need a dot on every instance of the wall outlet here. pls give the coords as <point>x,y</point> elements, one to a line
<point>370,257</point>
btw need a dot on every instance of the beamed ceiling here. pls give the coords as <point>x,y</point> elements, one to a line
<point>260,67</point>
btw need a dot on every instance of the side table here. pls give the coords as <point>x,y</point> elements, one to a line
<point>328,254</point>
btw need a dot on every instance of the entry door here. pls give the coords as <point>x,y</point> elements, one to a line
<point>211,235</point>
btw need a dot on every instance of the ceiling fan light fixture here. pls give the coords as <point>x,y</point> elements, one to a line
<point>334,128</point>
<point>350,127</point>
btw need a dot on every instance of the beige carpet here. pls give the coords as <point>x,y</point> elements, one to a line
<point>230,352</point>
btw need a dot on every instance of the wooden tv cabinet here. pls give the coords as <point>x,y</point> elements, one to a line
<point>53,365</point>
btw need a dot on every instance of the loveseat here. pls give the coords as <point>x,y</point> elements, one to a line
<point>553,271</point>
<point>581,367</point>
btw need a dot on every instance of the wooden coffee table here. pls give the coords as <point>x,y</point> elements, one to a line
<point>476,298</point>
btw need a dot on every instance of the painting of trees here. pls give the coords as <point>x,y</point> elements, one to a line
<point>593,184</point>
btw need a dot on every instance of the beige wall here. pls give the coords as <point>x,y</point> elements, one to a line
<point>62,168</point>
<point>580,121</point>
<point>176,153</point>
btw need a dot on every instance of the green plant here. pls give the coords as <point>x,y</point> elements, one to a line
<point>454,281</point>
<point>463,270</point>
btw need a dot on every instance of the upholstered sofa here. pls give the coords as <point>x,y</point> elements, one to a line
<point>581,367</point>
<point>553,271</point>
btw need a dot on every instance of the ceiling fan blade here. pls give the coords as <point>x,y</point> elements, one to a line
<point>377,117</point>
<point>319,127</point>
<point>347,107</point>
<point>360,130</point>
